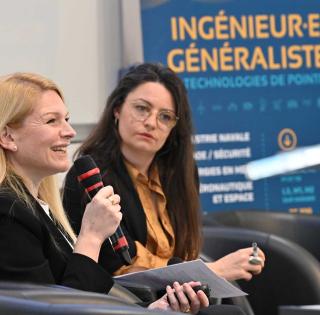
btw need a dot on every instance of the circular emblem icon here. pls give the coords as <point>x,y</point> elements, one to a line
<point>287,139</point>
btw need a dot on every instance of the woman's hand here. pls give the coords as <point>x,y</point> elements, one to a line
<point>100,220</point>
<point>236,265</point>
<point>182,298</point>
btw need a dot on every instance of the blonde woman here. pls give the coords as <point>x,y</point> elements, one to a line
<point>37,243</point>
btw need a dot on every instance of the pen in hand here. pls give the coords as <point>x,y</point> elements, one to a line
<point>254,259</point>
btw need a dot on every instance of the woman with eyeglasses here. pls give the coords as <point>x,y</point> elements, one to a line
<point>142,144</point>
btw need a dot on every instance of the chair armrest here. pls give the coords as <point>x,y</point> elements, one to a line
<point>143,292</point>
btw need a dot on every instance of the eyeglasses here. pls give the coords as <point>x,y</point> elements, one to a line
<point>166,118</point>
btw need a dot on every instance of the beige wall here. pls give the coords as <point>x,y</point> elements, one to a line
<point>77,43</point>
<point>80,44</point>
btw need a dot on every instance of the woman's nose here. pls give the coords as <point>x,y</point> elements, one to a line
<point>68,131</point>
<point>151,120</point>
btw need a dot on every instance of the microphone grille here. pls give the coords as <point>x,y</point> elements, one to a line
<point>84,164</point>
<point>88,173</point>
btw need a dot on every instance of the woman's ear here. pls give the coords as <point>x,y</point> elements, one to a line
<point>6,139</point>
<point>116,112</point>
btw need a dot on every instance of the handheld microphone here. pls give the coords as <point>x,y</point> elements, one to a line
<point>89,176</point>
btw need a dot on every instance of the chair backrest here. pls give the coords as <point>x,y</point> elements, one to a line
<point>299,228</point>
<point>57,293</point>
<point>291,275</point>
<point>33,299</point>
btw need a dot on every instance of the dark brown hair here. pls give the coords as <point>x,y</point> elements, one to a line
<point>175,159</point>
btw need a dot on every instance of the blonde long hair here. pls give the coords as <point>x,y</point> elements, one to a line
<point>18,95</point>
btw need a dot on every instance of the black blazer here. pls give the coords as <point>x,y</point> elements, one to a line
<point>32,249</point>
<point>133,222</point>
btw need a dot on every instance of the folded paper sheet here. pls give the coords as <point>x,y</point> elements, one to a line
<point>184,272</point>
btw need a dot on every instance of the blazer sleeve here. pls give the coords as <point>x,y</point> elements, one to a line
<point>29,254</point>
<point>83,273</point>
<point>74,202</point>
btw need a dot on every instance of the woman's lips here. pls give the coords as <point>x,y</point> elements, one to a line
<point>146,135</point>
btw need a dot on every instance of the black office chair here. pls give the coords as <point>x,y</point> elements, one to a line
<point>241,301</point>
<point>299,228</point>
<point>27,299</point>
<point>291,275</point>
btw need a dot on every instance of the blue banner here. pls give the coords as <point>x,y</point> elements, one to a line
<point>252,73</point>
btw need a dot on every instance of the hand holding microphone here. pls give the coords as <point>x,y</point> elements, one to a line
<point>102,216</point>
<point>182,298</point>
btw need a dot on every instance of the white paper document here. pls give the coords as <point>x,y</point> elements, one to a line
<point>184,272</point>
